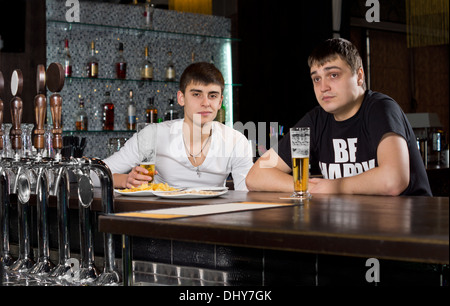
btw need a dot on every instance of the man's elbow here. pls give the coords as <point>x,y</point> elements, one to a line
<point>250,180</point>
<point>395,186</point>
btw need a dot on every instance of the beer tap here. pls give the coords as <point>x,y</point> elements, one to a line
<point>55,83</point>
<point>2,84</point>
<point>21,183</point>
<point>16,112</point>
<point>43,265</point>
<point>40,108</point>
<point>5,256</point>
<point>109,275</point>
<point>88,270</point>
<point>62,189</point>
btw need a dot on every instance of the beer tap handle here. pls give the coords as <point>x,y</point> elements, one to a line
<point>55,83</point>
<point>2,85</point>
<point>56,110</point>
<point>40,108</point>
<point>16,109</point>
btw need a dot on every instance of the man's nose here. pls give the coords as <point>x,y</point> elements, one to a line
<point>205,101</point>
<point>324,86</point>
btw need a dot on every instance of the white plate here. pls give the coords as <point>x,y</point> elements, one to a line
<point>142,193</point>
<point>192,193</point>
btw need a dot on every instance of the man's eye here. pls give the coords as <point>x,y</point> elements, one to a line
<point>334,75</point>
<point>315,80</point>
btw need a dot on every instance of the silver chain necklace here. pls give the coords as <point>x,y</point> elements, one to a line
<point>199,154</point>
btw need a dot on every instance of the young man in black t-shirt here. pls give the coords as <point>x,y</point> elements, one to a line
<point>361,141</point>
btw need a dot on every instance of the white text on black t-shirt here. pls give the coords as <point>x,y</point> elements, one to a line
<point>345,164</point>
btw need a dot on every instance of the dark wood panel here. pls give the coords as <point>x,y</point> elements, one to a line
<point>27,61</point>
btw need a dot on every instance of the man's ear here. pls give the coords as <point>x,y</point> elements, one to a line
<point>180,98</point>
<point>360,76</point>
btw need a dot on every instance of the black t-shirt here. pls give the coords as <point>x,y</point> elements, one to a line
<point>346,148</point>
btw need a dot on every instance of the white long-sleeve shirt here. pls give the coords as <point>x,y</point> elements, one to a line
<point>229,152</point>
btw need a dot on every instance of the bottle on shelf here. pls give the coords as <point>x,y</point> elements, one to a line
<point>131,113</point>
<point>170,68</point>
<point>148,14</point>
<point>121,64</point>
<point>221,114</point>
<point>146,68</point>
<point>81,117</point>
<point>92,63</point>
<point>96,120</point>
<point>171,113</point>
<point>67,60</point>
<point>108,113</point>
<point>151,113</point>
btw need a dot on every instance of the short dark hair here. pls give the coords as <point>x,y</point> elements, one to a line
<point>331,48</point>
<point>201,73</point>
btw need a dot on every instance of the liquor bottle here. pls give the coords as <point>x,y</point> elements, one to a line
<point>81,118</point>
<point>131,116</point>
<point>171,113</point>
<point>146,68</point>
<point>96,121</point>
<point>221,114</point>
<point>170,68</point>
<point>108,113</point>
<point>121,64</point>
<point>151,113</point>
<point>67,60</point>
<point>92,63</point>
<point>148,15</point>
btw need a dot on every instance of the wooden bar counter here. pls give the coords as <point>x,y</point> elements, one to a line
<point>407,229</point>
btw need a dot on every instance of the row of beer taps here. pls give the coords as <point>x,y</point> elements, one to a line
<point>44,177</point>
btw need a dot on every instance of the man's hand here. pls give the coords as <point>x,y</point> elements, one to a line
<point>137,177</point>
<point>319,185</point>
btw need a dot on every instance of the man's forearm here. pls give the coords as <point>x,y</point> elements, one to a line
<point>120,180</point>
<point>273,179</point>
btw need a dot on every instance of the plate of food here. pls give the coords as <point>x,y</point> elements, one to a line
<point>193,193</point>
<point>146,190</point>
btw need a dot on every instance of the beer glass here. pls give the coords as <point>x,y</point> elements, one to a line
<point>146,139</point>
<point>300,161</point>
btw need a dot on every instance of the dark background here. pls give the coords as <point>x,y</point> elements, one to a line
<point>270,60</point>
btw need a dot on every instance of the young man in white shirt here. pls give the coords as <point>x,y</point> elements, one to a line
<point>191,152</point>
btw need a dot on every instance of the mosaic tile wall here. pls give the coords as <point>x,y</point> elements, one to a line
<point>108,24</point>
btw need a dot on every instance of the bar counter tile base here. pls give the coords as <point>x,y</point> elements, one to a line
<point>270,268</point>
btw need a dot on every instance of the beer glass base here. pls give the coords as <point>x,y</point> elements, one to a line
<point>301,195</point>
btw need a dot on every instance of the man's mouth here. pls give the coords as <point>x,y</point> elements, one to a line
<point>327,98</point>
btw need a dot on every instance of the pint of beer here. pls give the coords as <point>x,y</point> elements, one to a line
<point>150,167</point>
<point>146,139</point>
<point>300,139</point>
